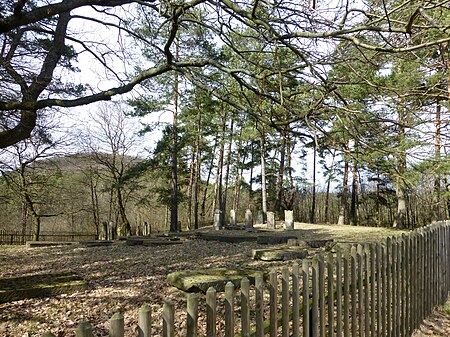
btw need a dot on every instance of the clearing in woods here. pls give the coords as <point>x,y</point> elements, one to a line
<point>123,278</point>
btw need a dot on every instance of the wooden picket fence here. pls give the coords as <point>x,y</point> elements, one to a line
<point>382,289</point>
<point>17,238</point>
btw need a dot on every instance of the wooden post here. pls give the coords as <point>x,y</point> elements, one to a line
<point>259,305</point>
<point>116,325</point>
<point>84,329</point>
<point>145,321</point>
<point>285,301</point>
<point>330,288</point>
<point>245,307</point>
<point>315,298</point>
<point>339,285</point>
<point>306,309</point>
<point>322,301</point>
<point>295,300</point>
<point>353,281</point>
<point>168,319</point>
<point>345,262</point>
<point>229,309</point>
<point>273,292</point>
<point>211,307</point>
<point>373,298</point>
<point>192,315</point>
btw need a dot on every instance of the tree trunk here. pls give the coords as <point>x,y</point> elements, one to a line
<point>437,157</point>
<point>327,196</point>
<point>190,188</point>
<point>227,173</point>
<point>125,224</point>
<point>312,214</point>
<point>344,194</point>
<point>174,155</point>
<point>354,201</point>
<point>400,217</point>
<point>290,201</point>
<point>263,178</point>
<point>280,190</point>
<point>205,191</point>
<point>218,190</point>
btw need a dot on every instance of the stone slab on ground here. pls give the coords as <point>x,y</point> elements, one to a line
<point>275,240</point>
<point>36,244</point>
<point>97,243</point>
<point>159,241</point>
<point>236,238</point>
<point>45,285</point>
<point>201,280</point>
<point>279,254</point>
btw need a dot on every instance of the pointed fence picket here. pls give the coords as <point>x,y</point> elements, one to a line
<point>377,289</point>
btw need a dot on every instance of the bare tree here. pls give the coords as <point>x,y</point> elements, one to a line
<point>111,139</point>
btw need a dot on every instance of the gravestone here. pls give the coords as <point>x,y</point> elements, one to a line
<point>260,217</point>
<point>217,219</point>
<point>232,217</point>
<point>288,220</point>
<point>248,219</point>
<point>271,219</point>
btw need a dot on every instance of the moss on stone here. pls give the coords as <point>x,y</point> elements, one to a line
<point>30,286</point>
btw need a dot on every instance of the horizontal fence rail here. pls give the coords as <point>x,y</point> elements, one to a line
<point>17,238</point>
<point>379,289</point>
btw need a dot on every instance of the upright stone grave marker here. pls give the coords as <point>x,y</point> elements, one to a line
<point>288,220</point>
<point>232,217</point>
<point>217,219</point>
<point>260,217</point>
<point>271,219</point>
<point>248,219</point>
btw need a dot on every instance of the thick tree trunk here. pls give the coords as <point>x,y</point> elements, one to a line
<point>227,174</point>
<point>125,224</point>
<point>437,157</point>
<point>354,200</point>
<point>280,190</point>
<point>174,155</point>
<point>400,217</point>
<point>263,178</point>
<point>290,201</point>
<point>190,188</point>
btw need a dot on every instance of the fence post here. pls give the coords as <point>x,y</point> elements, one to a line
<point>339,294</point>
<point>295,300</point>
<point>273,293</point>
<point>192,315</point>
<point>211,312</point>
<point>306,308</point>
<point>315,298</point>
<point>259,305</point>
<point>116,325</point>
<point>245,307</point>
<point>84,329</point>
<point>229,309</point>
<point>168,319</point>
<point>330,288</point>
<point>145,321</point>
<point>285,301</point>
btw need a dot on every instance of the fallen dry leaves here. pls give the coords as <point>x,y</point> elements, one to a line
<point>123,278</point>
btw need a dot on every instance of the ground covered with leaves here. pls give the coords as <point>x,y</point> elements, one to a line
<point>122,278</point>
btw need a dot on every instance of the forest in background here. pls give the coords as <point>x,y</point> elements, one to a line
<point>252,93</point>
